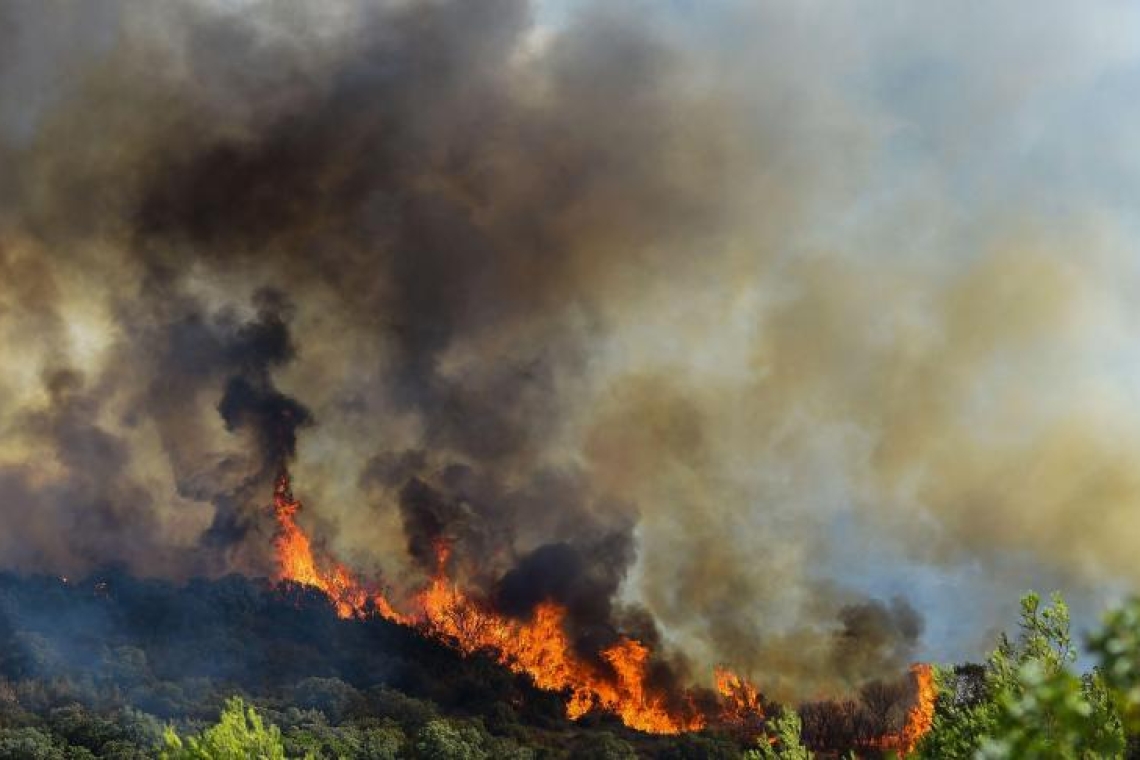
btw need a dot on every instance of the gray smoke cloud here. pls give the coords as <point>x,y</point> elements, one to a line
<point>701,322</point>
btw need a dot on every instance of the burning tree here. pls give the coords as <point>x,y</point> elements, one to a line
<point>539,647</point>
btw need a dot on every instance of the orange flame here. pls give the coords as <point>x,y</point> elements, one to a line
<point>296,561</point>
<point>740,697</point>
<point>920,717</point>
<point>540,646</point>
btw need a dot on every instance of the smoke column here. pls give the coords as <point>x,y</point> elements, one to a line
<point>788,337</point>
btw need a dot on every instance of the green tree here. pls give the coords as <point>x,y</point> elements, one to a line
<point>1056,714</point>
<point>783,740</point>
<point>1033,704</point>
<point>601,745</point>
<point>1117,645</point>
<point>28,744</point>
<point>508,749</point>
<point>239,734</point>
<point>964,713</point>
<point>384,743</point>
<point>331,696</point>
<point>1045,710</point>
<point>448,740</point>
<point>409,712</point>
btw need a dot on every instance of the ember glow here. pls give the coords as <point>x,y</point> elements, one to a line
<point>540,647</point>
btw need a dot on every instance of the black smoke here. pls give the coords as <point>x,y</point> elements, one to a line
<point>412,222</point>
<point>876,637</point>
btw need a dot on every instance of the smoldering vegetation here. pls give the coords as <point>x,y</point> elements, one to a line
<point>615,326</point>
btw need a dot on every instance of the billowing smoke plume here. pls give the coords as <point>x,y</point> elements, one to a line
<point>703,343</point>
<point>876,637</point>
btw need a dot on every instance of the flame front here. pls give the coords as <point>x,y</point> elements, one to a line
<point>740,697</point>
<point>296,561</point>
<point>540,646</point>
<point>920,717</point>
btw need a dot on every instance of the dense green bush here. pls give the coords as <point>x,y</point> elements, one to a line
<point>1031,704</point>
<point>783,743</point>
<point>240,734</point>
<point>446,740</point>
<point>28,744</point>
<point>385,743</point>
<point>603,746</point>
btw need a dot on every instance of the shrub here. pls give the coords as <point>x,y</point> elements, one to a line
<point>240,734</point>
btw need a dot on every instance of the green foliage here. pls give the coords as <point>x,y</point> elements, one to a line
<point>78,727</point>
<point>783,742</point>
<point>407,711</point>
<point>331,696</point>
<point>1033,705</point>
<point>322,741</point>
<point>507,749</point>
<point>1054,714</point>
<point>137,728</point>
<point>124,750</point>
<point>961,718</point>
<point>697,747</point>
<point>602,746</point>
<point>1043,638</point>
<point>1044,710</point>
<point>28,744</point>
<point>1118,646</point>
<point>449,740</point>
<point>382,743</point>
<point>240,734</point>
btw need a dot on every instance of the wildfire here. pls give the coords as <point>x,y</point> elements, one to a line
<point>538,647</point>
<point>920,717</point>
<point>741,698</point>
<point>541,648</point>
<point>296,561</point>
<point>618,683</point>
